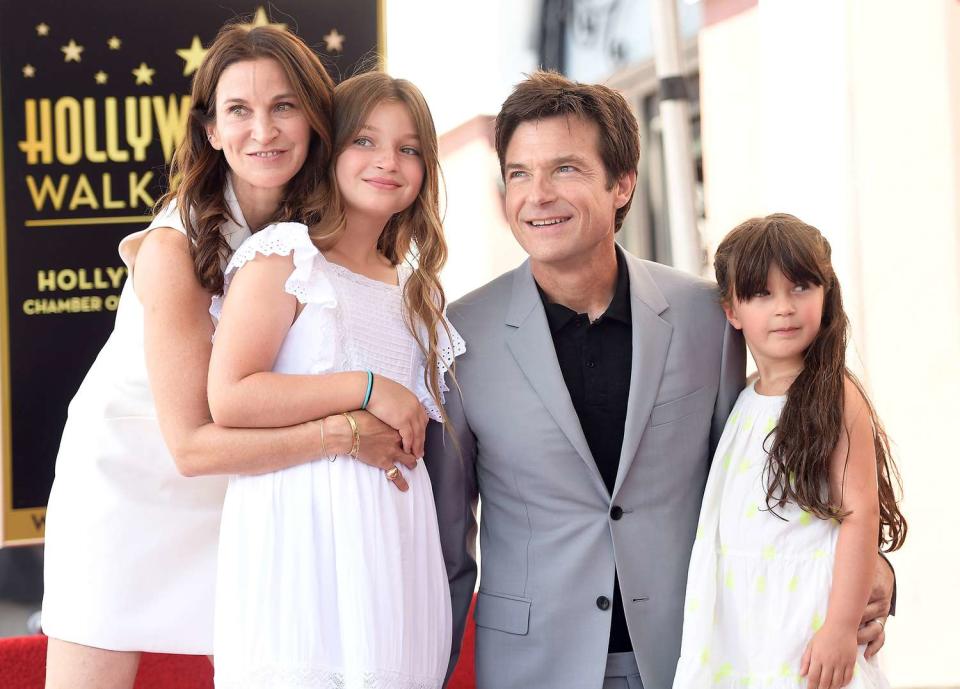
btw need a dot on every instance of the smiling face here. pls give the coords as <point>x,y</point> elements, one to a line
<point>259,125</point>
<point>559,202</point>
<point>780,321</point>
<point>381,170</point>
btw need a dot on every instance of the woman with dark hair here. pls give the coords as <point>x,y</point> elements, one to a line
<point>131,541</point>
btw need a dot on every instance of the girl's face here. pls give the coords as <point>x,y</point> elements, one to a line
<point>381,171</point>
<point>781,321</point>
<point>260,125</point>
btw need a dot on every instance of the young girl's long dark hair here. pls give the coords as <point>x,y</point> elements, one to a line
<point>811,422</point>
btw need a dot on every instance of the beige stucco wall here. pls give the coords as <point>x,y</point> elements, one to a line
<point>845,112</point>
<point>481,245</point>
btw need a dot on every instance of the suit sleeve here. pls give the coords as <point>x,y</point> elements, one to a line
<point>733,369</point>
<point>450,458</point>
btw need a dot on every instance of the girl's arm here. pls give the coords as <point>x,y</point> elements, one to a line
<point>244,391</point>
<point>177,332</point>
<point>853,485</point>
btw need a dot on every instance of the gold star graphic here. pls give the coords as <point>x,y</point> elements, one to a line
<point>100,77</point>
<point>260,19</point>
<point>42,29</point>
<point>113,43</point>
<point>334,41</point>
<point>71,51</point>
<point>29,71</point>
<point>192,56</point>
<point>144,74</point>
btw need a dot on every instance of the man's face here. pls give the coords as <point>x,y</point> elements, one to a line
<point>558,200</point>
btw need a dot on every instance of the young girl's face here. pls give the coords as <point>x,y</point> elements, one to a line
<point>381,171</point>
<point>779,322</point>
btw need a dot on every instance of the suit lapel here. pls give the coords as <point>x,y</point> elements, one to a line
<point>651,341</point>
<point>531,344</point>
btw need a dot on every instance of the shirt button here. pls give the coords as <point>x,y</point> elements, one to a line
<point>603,603</point>
<point>591,364</point>
<point>616,512</point>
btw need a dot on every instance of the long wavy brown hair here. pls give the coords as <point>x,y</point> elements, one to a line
<point>811,422</point>
<point>414,235</point>
<point>198,172</point>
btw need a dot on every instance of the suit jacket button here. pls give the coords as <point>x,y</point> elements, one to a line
<point>616,512</point>
<point>603,603</point>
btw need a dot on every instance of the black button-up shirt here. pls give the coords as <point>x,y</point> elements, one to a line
<point>595,360</point>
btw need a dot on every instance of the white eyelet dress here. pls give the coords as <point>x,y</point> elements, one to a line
<point>330,577</point>
<point>131,545</point>
<point>758,585</point>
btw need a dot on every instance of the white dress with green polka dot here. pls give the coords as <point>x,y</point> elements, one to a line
<point>758,583</point>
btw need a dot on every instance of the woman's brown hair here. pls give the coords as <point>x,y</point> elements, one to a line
<point>198,172</point>
<point>414,235</point>
<point>811,422</point>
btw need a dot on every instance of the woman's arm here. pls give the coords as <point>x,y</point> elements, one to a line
<point>244,391</point>
<point>177,332</point>
<point>853,485</point>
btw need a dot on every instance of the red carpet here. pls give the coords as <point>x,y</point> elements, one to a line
<point>22,661</point>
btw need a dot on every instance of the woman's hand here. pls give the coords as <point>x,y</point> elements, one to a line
<point>399,408</point>
<point>829,659</point>
<point>380,445</point>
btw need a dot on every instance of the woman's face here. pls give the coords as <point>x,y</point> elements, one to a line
<point>259,125</point>
<point>380,172</point>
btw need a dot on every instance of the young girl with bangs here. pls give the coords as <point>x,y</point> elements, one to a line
<point>331,573</point>
<point>801,489</point>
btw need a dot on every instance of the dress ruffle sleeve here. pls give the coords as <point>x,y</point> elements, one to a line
<point>307,285</point>
<point>449,346</point>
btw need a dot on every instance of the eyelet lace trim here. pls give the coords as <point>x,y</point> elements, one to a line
<point>319,678</point>
<point>306,284</point>
<point>448,348</point>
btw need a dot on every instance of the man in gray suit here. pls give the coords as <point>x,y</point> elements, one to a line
<point>592,395</point>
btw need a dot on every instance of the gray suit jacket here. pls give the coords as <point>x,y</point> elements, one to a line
<point>549,545</point>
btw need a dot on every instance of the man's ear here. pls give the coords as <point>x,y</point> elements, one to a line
<point>731,314</point>
<point>624,188</point>
<point>213,138</point>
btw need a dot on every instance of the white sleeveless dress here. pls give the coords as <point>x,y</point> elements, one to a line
<point>130,555</point>
<point>330,577</point>
<point>758,585</point>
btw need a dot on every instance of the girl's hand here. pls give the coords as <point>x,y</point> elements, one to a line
<point>399,408</point>
<point>829,659</point>
<point>379,443</point>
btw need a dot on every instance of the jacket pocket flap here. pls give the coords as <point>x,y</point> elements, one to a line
<point>511,615</point>
<point>679,408</point>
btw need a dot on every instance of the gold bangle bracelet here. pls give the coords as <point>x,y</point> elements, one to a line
<point>323,443</point>
<point>355,450</point>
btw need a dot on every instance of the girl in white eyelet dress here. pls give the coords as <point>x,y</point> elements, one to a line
<point>329,576</point>
<point>775,592</point>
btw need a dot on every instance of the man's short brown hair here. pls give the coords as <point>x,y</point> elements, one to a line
<point>548,94</point>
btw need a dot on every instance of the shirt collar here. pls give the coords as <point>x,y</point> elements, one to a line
<point>559,315</point>
<point>234,229</point>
